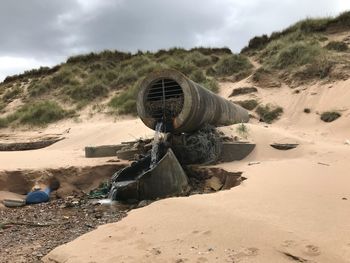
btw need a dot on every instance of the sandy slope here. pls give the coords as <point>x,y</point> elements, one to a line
<point>317,97</point>
<point>290,204</point>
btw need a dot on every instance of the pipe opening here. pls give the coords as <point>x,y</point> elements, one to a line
<point>164,99</point>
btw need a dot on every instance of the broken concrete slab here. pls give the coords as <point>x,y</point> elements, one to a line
<point>138,182</point>
<point>128,153</point>
<point>102,151</point>
<point>167,178</point>
<point>124,151</point>
<point>235,151</point>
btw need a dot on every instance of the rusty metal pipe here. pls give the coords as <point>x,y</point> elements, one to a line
<point>184,105</point>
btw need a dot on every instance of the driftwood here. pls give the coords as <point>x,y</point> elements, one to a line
<point>29,145</point>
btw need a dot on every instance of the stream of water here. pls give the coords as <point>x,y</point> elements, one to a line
<point>155,145</point>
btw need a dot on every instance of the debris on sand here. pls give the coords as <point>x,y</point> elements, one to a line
<point>325,164</point>
<point>7,143</point>
<point>206,179</point>
<point>26,229</point>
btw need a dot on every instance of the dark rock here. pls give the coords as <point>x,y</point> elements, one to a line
<point>243,90</point>
<point>284,146</point>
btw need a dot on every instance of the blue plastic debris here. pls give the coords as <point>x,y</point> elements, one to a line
<point>38,196</point>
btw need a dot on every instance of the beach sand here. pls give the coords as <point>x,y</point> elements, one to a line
<point>294,205</point>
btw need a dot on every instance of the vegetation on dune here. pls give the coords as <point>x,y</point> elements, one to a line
<point>330,116</point>
<point>248,104</point>
<point>89,92</point>
<point>293,50</point>
<point>260,73</point>
<point>298,53</point>
<point>2,106</point>
<point>11,93</point>
<point>269,113</point>
<point>211,84</point>
<point>104,55</point>
<point>337,46</point>
<point>304,60</point>
<point>295,54</point>
<point>125,103</point>
<point>242,130</point>
<point>38,114</point>
<point>232,64</point>
<point>306,27</point>
<point>34,73</point>
<point>319,69</point>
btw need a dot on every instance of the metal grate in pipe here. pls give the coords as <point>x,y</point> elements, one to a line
<point>164,99</point>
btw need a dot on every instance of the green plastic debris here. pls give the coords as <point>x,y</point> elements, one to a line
<point>101,192</point>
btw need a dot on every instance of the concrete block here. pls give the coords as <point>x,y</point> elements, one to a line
<point>102,151</point>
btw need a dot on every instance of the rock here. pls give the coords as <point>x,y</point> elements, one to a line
<point>14,202</point>
<point>232,180</point>
<point>144,203</point>
<point>243,90</point>
<point>214,183</point>
<point>12,199</point>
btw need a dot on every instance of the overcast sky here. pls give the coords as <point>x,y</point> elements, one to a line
<point>36,33</point>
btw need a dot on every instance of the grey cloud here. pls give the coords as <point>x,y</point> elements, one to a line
<point>150,25</point>
<point>30,29</point>
<point>52,30</point>
<point>133,25</point>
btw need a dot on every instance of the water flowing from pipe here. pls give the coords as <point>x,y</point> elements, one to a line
<point>155,144</point>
